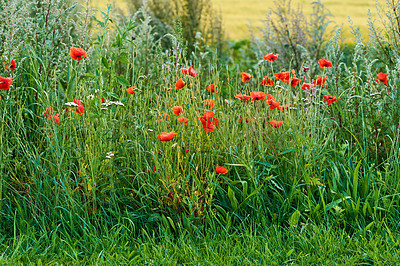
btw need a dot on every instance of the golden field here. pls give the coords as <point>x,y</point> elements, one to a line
<point>238,14</point>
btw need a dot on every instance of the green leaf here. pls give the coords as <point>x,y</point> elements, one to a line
<point>113,95</point>
<point>123,81</point>
<point>105,63</point>
<point>355,179</point>
<point>294,219</point>
<point>232,198</point>
<point>123,59</point>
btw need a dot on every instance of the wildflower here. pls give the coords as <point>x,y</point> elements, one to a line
<point>275,123</point>
<point>320,81</point>
<point>267,81</point>
<point>164,116</point>
<point>270,97</point>
<point>107,104</point>
<point>243,97</point>
<point>330,99</point>
<point>77,53</point>
<point>56,118</point>
<point>53,118</point>
<point>273,104</point>
<point>208,121</point>
<point>245,77</point>
<point>305,69</point>
<point>103,100</point>
<point>109,155</point>
<point>324,63</point>
<point>48,112</point>
<point>190,71</point>
<point>283,107</point>
<point>177,110</point>
<point>221,170</point>
<point>131,90</point>
<point>257,95</point>
<point>164,136</point>
<point>209,102</point>
<point>5,83</point>
<point>186,150</point>
<point>179,84</point>
<point>306,86</point>
<point>211,88</point>
<point>283,76</point>
<point>247,119</point>
<point>271,57</point>
<point>183,120</point>
<point>294,81</point>
<point>382,77</point>
<point>80,109</point>
<point>13,66</point>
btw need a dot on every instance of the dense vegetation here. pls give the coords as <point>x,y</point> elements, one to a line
<point>121,145</point>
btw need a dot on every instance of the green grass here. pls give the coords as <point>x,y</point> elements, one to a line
<point>238,14</point>
<point>308,244</point>
<point>101,187</point>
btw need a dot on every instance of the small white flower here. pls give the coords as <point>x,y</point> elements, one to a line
<point>110,154</point>
<point>91,97</point>
<point>112,103</point>
<point>71,104</point>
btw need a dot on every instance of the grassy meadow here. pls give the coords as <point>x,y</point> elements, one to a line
<point>238,15</point>
<point>146,139</point>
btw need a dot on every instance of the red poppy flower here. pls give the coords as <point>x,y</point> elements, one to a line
<point>247,119</point>
<point>13,66</point>
<point>186,150</point>
<point>273,104</point>
<point>294,81</point>
<point>56,118</point>
<point>5,83</point>
<point>48,112</point>
<point>245,77</point>
<point>131,90</point>
<point>190,71</point>
<point>271,57</point>
<point>382,77</point>
<point>324,63</point>
<point>209,102</point>
<point>243,97</point>
<point>212,88</point>
<point>103,100</point>
<point>306,86</point>
<point>320,81</point>
<point>267,81</point>
<point>208,121</point>
<point>221,170</point>
<point>179,84</point>
<point>270,97</point>
<point>275,123</point>
<point>164,116</point>
<point>164,136</point>
<point>177,110</point>
<point>257,96</point>
<point>283,76</point>
<point>330,99</point>
<point>283,107</point>
<point>80,109</point>
<point>77,53</point>
<point>183,120</point>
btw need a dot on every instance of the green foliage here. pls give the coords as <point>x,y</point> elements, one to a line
<point>101,175</point>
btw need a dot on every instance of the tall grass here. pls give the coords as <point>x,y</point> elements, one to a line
<point>104,176</point>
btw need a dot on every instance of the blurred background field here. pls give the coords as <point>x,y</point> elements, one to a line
<point>237,15</point>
